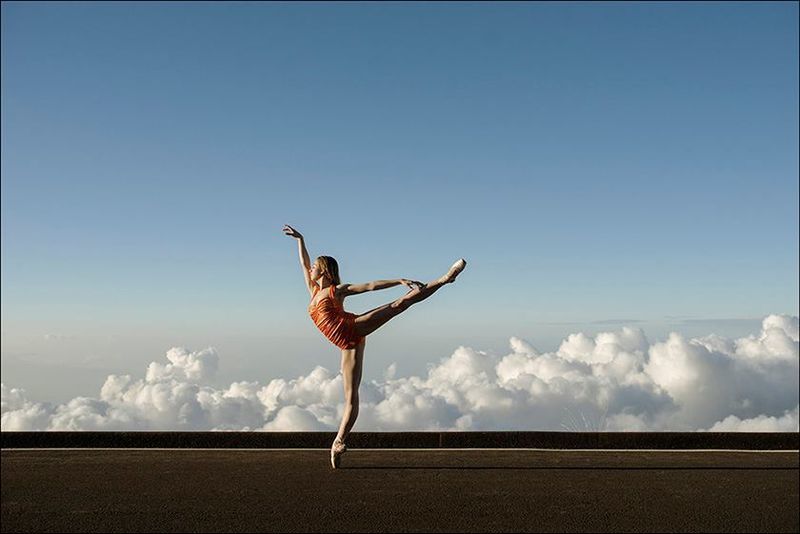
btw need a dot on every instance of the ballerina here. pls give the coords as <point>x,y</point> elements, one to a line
<point>349,331</point>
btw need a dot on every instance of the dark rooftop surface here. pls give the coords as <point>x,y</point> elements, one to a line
<point>398,490</point>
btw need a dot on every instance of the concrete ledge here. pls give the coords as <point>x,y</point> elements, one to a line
<point>406,440</point>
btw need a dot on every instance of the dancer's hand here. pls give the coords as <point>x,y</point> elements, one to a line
<point>288,230</point>
<point>413,284</point>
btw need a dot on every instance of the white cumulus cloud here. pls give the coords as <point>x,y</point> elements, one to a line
<point>763,423</point>
<point>613,381</point>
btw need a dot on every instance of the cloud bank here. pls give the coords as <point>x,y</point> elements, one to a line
<point>614,381</point>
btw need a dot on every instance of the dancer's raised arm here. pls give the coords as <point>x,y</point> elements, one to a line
<point>305,261</point>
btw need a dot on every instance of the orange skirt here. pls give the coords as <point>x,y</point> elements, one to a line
<point>338,327</point>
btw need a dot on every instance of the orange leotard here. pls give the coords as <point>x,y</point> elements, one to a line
<point>331,319</point>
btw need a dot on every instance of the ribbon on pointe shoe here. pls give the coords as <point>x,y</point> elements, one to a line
<point>338,446</point>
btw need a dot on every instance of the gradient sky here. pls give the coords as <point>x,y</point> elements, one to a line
<point>597,164</point>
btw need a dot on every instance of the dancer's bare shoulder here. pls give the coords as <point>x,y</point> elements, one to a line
<point>341,291</point>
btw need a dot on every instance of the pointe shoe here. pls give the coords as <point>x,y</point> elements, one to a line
<point>454,271</point>
<point>337,450</point>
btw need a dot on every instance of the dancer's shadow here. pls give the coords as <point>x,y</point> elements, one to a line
<point>440,467</point>
<point>565,467</point>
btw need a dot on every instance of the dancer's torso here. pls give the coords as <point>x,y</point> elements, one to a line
<point>320,295</point>
<point>325,308</point>
<point>328,314</point>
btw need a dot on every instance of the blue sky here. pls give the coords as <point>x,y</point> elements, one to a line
<point>595,164</point>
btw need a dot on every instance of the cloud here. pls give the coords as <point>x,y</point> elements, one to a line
<point>613,381</point>
<point>18,413</point>
<point>787,422</point>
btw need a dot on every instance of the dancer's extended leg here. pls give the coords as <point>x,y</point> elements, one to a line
<point>370,321</point>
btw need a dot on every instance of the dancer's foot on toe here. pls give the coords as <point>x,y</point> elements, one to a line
<point>454,271</point>
<point>337,449</point>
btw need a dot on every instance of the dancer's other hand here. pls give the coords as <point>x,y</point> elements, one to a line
<point>413,284</point>
<point>288,230</point>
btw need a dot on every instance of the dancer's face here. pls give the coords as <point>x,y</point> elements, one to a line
<point>315,272</point>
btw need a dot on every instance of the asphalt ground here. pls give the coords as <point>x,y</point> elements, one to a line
<point>398,490</point>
